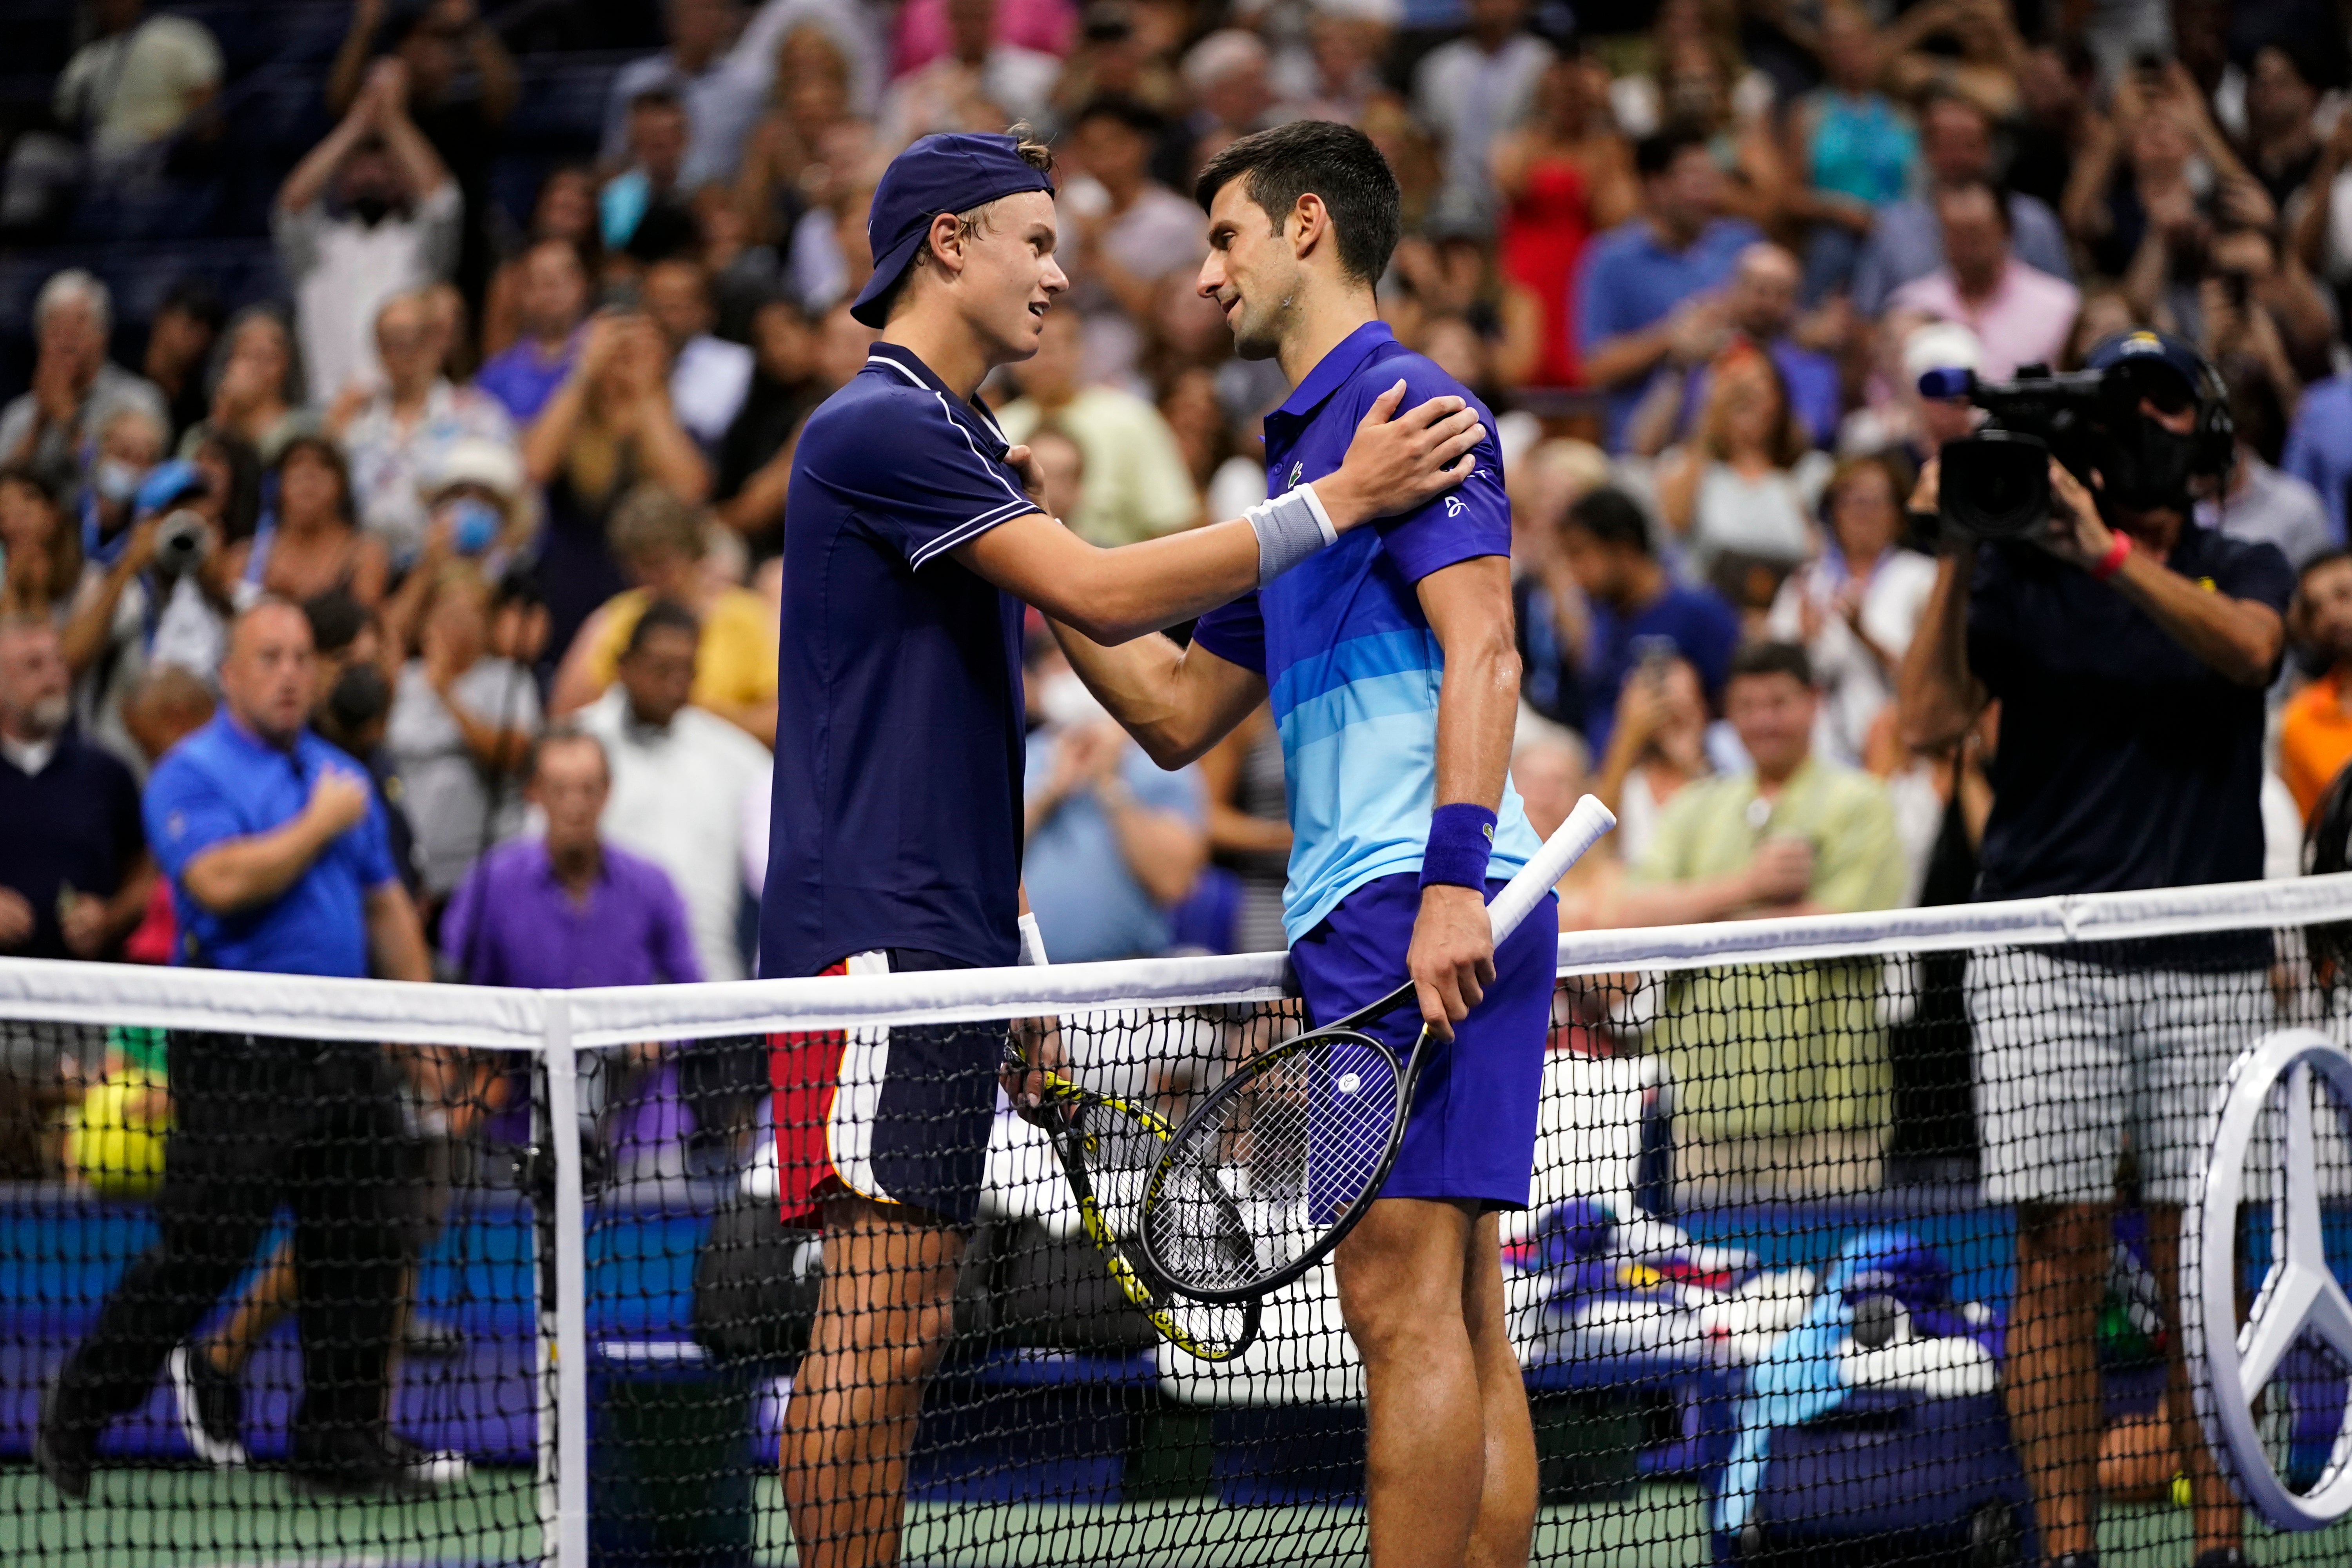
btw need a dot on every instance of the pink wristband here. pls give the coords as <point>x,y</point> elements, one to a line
<point>2107,565</point>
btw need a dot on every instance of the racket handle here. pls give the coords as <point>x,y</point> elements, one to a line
<point>1564,849</point>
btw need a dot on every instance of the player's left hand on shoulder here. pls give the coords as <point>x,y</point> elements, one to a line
<point>1452,959</point>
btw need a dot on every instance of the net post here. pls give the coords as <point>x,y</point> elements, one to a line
<point>570,1291</point>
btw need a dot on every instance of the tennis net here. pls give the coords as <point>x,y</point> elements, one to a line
<point>315,1271</point>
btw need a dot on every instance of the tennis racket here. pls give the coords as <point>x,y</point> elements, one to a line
<point>1300,1139</point>
<point>1107,1147</point>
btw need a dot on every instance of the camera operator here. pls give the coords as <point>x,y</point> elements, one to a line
<point>2129,648</point>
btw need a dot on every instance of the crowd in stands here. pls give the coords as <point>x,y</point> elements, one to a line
<point>519,455</point>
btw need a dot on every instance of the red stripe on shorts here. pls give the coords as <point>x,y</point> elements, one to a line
<point>804,1071</point>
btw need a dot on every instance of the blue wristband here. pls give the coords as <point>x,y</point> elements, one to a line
<point>1461,837</point>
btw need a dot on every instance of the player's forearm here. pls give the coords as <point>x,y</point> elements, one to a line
<point>1176,702</point>
<point>1118,594</point>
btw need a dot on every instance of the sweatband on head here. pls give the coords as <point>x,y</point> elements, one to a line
<point>1290,527</point>
<point>1461,840</point>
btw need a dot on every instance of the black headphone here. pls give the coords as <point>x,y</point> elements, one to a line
<point>2215,436</point>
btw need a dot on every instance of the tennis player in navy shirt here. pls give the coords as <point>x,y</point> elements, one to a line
<point>1394,679</point>
<point>896,838</point>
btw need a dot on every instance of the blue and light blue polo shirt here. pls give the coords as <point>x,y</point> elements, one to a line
<point>223,782</point>
<point>896,812</point>
<point>1351,663</point>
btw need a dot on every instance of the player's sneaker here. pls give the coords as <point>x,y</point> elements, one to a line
<point>211,1404</point>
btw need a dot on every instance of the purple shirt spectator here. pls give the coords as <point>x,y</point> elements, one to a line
<point>523,378</point>
<point>631,931</point>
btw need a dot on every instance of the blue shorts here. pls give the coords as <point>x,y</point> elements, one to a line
<point>1473,1130</point>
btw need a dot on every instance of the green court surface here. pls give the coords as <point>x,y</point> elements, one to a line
<point>194,1519</point>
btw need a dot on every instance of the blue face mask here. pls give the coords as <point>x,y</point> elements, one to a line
<point>116,480</point>
<point>473,525</point>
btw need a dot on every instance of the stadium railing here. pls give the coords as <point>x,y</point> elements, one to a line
<point>1760,1148</point>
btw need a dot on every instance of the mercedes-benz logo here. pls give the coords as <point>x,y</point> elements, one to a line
<point>2300,1297</point>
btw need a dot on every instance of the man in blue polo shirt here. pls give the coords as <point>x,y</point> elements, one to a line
<point>1394,686</point>
<point>896,842</point>
<point>1652,287</point>
<point>277,857</point>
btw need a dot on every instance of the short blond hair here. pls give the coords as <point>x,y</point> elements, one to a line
<point>652,520</point>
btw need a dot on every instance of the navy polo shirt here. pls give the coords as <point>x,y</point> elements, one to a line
<point>2124,761</point>
<point>74,824</point>
<point>1352,669</point>
<point>223,782</point>
<point>896,812</point>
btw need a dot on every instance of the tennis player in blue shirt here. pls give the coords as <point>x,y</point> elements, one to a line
<point>896,841</point>
<point>1394,683</point>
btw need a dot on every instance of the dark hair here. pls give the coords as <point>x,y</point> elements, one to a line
<point>65,540</point>
<point>1937,97</point>
<point>1133,113</point>
<point>1772,659</point>
<point>2255,407</point>
<point>1992,194</point>
<point>563,735</point>
<point>1655,154</point>
<point>656,98</point>
<point>327,450</point>
<point>2325,558</point>
<point>336,620</point>
<point>241,509</point>
<point>1612,516</point>
<point>661,616</point>
<point>196,298</point>
<point>1337,163</point>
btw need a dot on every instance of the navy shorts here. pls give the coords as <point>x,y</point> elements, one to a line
<point>1472,1135</point>
<point>898,1115</point>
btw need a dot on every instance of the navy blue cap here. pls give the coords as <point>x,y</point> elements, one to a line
<point>954,172</point>
<point>2142,349</point>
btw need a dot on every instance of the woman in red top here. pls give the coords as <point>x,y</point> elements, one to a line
<point>1564,176</point>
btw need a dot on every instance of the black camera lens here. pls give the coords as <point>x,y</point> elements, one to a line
<point>1996,483</point>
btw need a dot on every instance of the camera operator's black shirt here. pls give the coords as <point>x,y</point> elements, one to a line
<point>2124,761</point>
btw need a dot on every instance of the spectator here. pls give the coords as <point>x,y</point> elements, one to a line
<point>720,90</point>
<point>2319,445</point>
<point>755,460</point>
<point>141,82</point>
<point>980,84</point>
<point>461,720</point>
<point>1562,176</point>
<point>166,708</point>
<point>1789,835</point>
<point>354,711</point>
<point>40,555</point>
<point>398,228</point>
<point>661,542</point>
<point>567,908</point>
<point>1249,826</point>
<point>1136,484</point>
<point>792,152</point>
<point>313,544</point>
<point>1232,91</point>
<point>550,301</point>
<point>2316,727</point>
<point>1896,418</point>
<point>605,429</point>
<point>2254,306</point>
<point>1607,605</point>
<point>1112,841</point>
<point>925,30</point>
<point>462,86</point>
<point>76,388</point>
<point>1650,283</point>
<point>140,606</point>
<point>2282,146</point>
<point>565,210</point>
<point>2019,314</point>
<point>476,513</point>
<point>1469,91</point>
<point>1132,240</point>
<point>680,777</point>
<point>73,870</point>
<point>1852,607</point>
<point>744,271</point>
<point>708,377</point>
<point>1657,745</point>
<point>399,437</point>
<point>256,391</point>
<point>1907,240</point>
<point>179,340</point>
<point>2257,501</point>
<point>1760,306</point>
<point>1852,150</point>
<point>1741,491</point>
<point>279,865</point>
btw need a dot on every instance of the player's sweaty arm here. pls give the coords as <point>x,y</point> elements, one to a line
<point>1393,465</point>
<point>1469,604</point>
<point>1176,702</point>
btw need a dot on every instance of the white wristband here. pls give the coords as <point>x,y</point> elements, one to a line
<point>1290,527</point>
<point>1033,941</point>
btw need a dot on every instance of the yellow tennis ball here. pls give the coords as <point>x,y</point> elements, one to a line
<point>114,1147</point>
<point>2181,1496</point>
